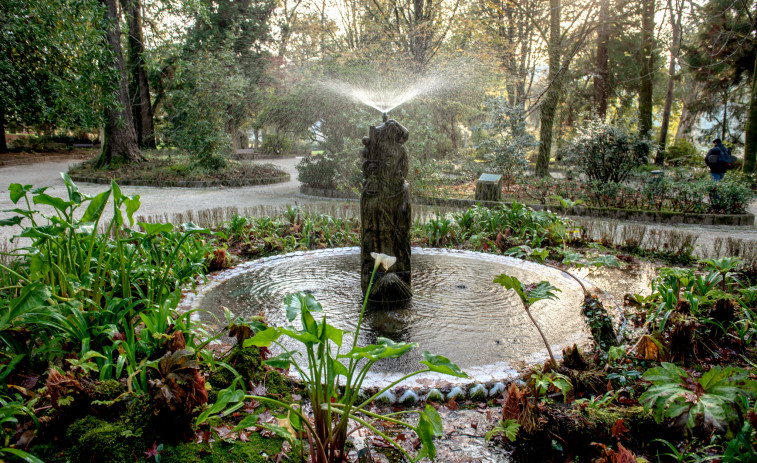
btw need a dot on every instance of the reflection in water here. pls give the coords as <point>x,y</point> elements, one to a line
<point>456,309</point>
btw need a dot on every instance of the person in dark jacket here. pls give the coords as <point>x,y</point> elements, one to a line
<point>718,160</point>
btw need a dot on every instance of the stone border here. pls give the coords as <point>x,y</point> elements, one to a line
<point>188,183</point>
<point>484,380</point>
<point>661,217</point>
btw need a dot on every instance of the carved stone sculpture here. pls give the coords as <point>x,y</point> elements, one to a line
<point>385,211</point>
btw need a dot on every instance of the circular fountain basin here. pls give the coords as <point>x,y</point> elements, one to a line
<point>456,310</point>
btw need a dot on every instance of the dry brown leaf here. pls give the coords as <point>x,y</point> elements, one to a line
<point>649,349</point>
<point>618,429</point>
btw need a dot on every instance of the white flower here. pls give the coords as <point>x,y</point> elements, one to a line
<point>383,260</point>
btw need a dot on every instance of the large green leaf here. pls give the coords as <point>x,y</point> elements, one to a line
<point>263,338</point>
<point>11,221</point>
<point>511,283</point>
<point>43,232</point>
<point>295,303</point>
<point>302,336</point>
<point>225,397</point>
<point>58,203</point>
<point>74,195</point>
<point>17,191</point>
<point>189,227</point>
<point>386,348</point>
<point>281,361</point>
<point>247,421</point>
<point>31,296</point>
<point>710,399</point>
<point>429,426</point>
<point>332,333</point>
<point>155,228</point>
<point>96,207</point>
<point>27,457</point>
<point>442,364</point>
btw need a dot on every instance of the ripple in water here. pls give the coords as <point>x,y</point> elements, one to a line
<point>456,310</point>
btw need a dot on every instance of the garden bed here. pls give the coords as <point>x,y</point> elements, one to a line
<point>164,168</point>
<point>128,374</point>
<point>662,217</point>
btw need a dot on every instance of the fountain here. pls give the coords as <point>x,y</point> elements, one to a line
<point>454,309</point>
<point>385,212</point>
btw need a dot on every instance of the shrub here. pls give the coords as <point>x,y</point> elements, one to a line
<point>198,105</point>
<point>504,140</point>
<point>606,153</point>
<point>683,153</point>
<point>276,145</point>
<point>729,196</point>
<point>339,170</point>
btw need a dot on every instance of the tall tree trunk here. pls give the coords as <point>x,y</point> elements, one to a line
<point>3,145</point>
<point>120,138</point>
<point>689,118</point>
<point>602,75</point>
<point>552,96</point>
<point>141,89</point>
<point>750,130</point>
<point>675,24</point>
<point>646,72</point>
<point>724,125</point>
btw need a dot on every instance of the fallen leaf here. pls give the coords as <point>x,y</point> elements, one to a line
<point>649,349</point>
<point>625,455</point>
<point>618,429</point>
<point>259,389</point>
<point>225,432</point>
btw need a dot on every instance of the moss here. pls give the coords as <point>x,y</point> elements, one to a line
<point>258,449</point>
<point>248,362</point>
<point>96,440</point>
<point>108,390</point>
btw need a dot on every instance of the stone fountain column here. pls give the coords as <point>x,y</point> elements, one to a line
<point>385,211</point>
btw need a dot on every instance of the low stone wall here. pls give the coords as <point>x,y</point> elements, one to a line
<point>188,183</point>
<point>578,211</point>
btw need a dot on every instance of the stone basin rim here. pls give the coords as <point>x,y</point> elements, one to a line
<point>491,376</point>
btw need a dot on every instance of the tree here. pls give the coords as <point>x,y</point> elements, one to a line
<point>562,46</point>
<point>646,68</point>
<point>48,72</point>
<point>139,88</point>
<point>721,57</point>
<point>554,89</point>
<point>602,76</point>
<point>120,142</point>
<point>232,35</point>
<point>418,28</point>
<point>676,13</point>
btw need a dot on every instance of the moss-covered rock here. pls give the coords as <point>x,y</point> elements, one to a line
<point>93,439</point>
<point>248,362</point>
<point>256,450</point>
